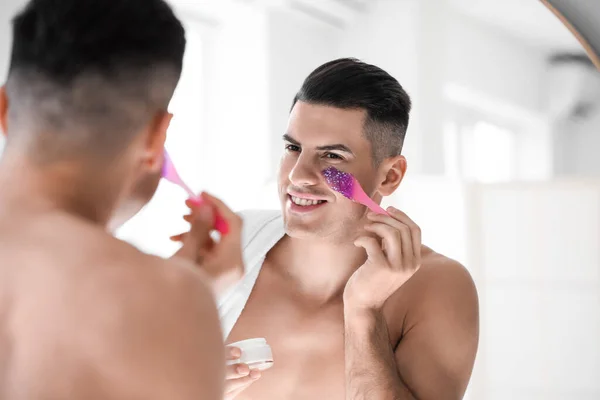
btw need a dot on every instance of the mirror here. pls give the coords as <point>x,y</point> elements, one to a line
<point>502,151</point>
<point>581,19</point>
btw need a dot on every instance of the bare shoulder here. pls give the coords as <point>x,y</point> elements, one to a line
<point>124,276</point>
<point>187,284</point>
<point>125,323</point>
<point>155,288</point>
<point>158,327</point>
<point>434,326</point>
<point>177,276</point>
<point>440,277</point>
<point>441,287</point>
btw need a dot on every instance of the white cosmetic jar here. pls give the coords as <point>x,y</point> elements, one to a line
<point>256,353</point>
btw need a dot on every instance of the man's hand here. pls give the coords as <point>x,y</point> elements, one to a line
<point>393,256</point>
<point>238,377</point>
<point>434,358</point>
<point>221,260</point>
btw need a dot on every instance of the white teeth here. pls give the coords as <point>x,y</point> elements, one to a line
<point>305,202</point>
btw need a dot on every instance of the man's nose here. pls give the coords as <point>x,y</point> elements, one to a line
<point>305,173</point>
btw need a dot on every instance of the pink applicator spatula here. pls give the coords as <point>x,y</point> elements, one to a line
<point>346,184</point>
<point>170,174</point>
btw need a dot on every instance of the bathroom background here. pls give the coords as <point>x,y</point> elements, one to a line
<point>502,149</point>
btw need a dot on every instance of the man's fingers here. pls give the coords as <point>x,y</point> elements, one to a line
<point>372,247</point>
<point>408,254</point>
<point>398,244</point>
<point>392,241</point>
<point>401,221</point>
<point>233,353</point>
<point>202,223</point>
<point>235,371</point>
<point>415,230</point>
<point>197,242</point>
<point>191,204</point>
<point>222,210</point>
<point>232,385</point>
<point>178,238</point>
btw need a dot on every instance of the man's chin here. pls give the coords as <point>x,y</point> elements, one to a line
<point>304,229</point>
<point>331,228</point>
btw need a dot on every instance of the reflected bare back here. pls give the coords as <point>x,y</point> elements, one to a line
<point>83,315</point>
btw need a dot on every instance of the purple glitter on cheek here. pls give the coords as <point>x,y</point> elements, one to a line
<point>341,182</point>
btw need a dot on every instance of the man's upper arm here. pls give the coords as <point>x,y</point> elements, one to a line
<point>176,347</point>
<point>436,353</point>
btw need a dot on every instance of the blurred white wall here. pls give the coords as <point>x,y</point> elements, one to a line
<point>7,10</point>
<point>534,251</point>
<point>572,100</point>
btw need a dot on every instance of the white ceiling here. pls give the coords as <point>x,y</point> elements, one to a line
<point>358,5</point>
<point>528,20</point>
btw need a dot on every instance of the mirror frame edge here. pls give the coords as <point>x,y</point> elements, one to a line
<point>586,45</point>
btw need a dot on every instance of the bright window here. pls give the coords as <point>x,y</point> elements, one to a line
<point>480,151</point>
<point>488,153</point>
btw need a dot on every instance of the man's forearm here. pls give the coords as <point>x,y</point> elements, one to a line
<point>371,371</point>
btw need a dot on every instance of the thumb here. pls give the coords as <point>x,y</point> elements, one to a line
<point>372,247</point>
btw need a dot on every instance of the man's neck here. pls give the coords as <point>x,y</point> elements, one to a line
<point>73,189</point>
<point>318,268</point>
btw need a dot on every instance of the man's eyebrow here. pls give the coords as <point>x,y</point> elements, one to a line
<point>330,147</point>
<point>290,139</point>
<point>336,147</point>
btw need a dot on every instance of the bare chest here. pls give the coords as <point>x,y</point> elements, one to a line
<point>307,343</point>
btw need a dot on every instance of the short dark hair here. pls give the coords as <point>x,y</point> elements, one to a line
<point>349,83</point>
<point>88,74</point>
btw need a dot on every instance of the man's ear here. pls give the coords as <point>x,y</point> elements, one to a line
<point>3,111</point>
<point>392,172</point>
<point>155,143</point>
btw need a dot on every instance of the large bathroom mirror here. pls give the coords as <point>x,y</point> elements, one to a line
<point>502,150</point>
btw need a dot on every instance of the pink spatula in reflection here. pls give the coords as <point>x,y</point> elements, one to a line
<point>346,184</point>
<point>170,174</point>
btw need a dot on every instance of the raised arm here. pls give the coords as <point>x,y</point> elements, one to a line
<point>436,350</point>
<point>221,261</point>
<point>435,355</point>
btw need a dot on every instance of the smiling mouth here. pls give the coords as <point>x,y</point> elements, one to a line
<point>305,202</point>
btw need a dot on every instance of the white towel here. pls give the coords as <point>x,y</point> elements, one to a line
<point>261,231</point>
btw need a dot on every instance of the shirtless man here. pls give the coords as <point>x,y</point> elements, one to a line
<point>352,304</point>
<point>82,314</point>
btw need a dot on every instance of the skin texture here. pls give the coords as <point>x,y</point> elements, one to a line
<point>82,314</point>
<point>353,305</point>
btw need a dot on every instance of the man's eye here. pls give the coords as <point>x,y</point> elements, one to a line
<point>333,156</point>
<point>292,148</point>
